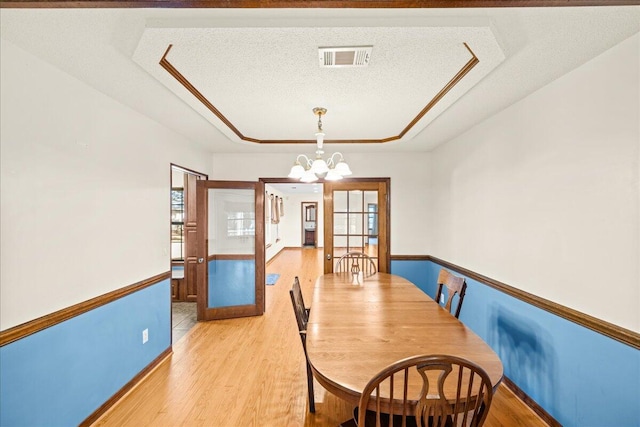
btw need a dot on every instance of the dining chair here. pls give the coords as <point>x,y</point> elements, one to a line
<point>302,317</point>
<point>466,404</point>
<point>296,285</point>
<point>356,260</point>
<point>455,285</point>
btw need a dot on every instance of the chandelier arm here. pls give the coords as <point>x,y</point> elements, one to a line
<point>331,161</point>
<point>307,161</point>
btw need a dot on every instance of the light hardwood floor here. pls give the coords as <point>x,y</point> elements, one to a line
<point>251,371</point>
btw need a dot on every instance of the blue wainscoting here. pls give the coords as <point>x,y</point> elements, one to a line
<point>61,375</point>
<point>580,377</point>
<point>232,282</point>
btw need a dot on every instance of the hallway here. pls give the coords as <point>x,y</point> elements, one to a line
<point>183,318</point>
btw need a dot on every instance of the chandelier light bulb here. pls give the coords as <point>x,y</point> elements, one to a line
<point>296,171</point>
<point>309,176</point>
<point>319,166</point>
<point>332,175</point>
<point>343,168</point>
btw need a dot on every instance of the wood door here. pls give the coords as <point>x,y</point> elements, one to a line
<point>230,248</point>
<point>189,282</point>
<point>347,220</point>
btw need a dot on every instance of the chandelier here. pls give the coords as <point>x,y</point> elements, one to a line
<point>333,169</point>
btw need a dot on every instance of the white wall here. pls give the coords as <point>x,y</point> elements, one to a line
<point>273,232</point>
<point>177,178</point>
<point>409,173</point>
<point>84,190</point>
<point>545,195</point>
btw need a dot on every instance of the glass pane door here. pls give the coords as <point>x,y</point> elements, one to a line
<point>351,223</point>
<point>354,221</point>
<point>232,242</point>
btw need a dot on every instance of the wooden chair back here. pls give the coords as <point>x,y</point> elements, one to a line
<point>356,260</point>
<point>301,312</point>
<point>464,401</point>
<point>455,285</point>
<point>302,318</point>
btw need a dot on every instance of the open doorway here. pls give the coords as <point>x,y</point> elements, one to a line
<point>183,217</point>
<point>292,229</point>
<point>309,220</point>
<point>357,220</point>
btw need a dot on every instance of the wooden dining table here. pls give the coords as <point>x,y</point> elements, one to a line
<point>356,330</point>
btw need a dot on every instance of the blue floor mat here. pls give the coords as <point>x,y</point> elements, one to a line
<point>272,278</point>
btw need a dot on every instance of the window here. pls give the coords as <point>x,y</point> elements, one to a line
<point>177,224</point>
<point>240,222</point>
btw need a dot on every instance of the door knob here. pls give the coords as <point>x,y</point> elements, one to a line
<point>200,260</point>
<point>328,256</point>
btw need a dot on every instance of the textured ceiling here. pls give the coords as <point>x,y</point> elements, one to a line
<point>266,81</point>
<point>259,67</point>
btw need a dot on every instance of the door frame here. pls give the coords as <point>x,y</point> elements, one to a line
<point>190,203</point>
<point>384,182</point>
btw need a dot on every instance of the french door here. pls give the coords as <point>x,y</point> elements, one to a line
<point>230,249</point>
<point>357,219</point>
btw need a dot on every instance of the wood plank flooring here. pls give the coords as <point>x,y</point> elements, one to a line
<point>251,371</point>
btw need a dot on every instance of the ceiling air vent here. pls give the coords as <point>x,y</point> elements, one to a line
<point>333,57</point>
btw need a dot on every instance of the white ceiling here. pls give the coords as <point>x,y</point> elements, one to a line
<point>259,68</point>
